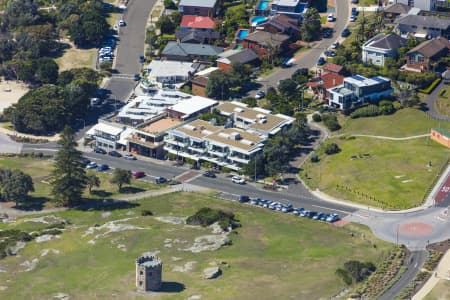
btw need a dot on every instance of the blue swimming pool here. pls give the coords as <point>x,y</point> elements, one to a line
<point>242,33</point>
<point>263,5</point>
<point>258,20</point>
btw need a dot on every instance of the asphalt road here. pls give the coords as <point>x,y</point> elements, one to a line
<point>309,58</point>
<point>416,261</point>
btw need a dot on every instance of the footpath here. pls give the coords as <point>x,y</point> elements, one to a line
<point>442,272</point>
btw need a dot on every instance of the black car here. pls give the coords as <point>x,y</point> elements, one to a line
<point>114,153</point>
<point>300,72</point>
<point>321,61</point>
<point>137,77</point>
<point>141,59</point>
<point>330,53</point>
<point>209,174</point>
<point>244,198</point>
<point>346,32</point>
<point>327,32</point>
<point>160,180</point>
<point>85,162</point>
<point>99,150</point>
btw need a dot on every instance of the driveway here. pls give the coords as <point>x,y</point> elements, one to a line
<point>431,100</point>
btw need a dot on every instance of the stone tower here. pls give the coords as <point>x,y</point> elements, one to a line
<point>148,273</point>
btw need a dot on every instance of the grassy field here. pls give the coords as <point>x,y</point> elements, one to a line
<point>76,58</point>
<point>442,104</point>
<point>440,292</point>
<point>272,255</point>
<point>394,174</point>
<point>405,122</point>
<point>40,170</point>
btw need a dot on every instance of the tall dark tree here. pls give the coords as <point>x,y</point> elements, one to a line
<point>17,186</point>
<point>121,177</point>
<point>69,174</point>
<point>219,84</point>
<point>311,25</point>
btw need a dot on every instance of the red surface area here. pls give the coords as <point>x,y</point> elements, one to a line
<point>415,229</point>
<point>443,191</point>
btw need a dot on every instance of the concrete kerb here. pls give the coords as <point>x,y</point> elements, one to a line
<point>435,190</point>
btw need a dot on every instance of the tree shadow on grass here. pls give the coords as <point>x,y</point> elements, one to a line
<point>171,287</point>
<point>101,193</point>
<point>31,204</point>
<point>131,190</point>
<point>105,205</point>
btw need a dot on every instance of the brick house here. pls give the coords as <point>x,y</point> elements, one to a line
<point>266,43</point>
<point>319,86</point>
<point>199,85</point>
<point>197,22</point>
<point>283,24</point>
<point>420,58</point>
<point>226,59</point>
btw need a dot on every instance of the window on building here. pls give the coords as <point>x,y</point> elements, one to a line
<point>420,58</point>
<point>140,283</point>
<point>150,274</point>
<point>141,273</point>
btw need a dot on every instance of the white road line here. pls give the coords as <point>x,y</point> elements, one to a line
<point>342,211</point>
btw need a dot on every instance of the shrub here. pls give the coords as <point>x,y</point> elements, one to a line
<point>146,212</point>
<point>331,148</point>
<point>207,216</point>
<point>316,118</point>
<point>344,275</point>
<point>330,120</point>
<point>385,107</point>
<point>358,270</point>
<point>431,87</point>
<point>366,111</point>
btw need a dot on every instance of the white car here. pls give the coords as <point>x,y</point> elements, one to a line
<point>260,95</point>
<point>238,180</point>
<point>122,23</point>
<point>330,18</point>
<point>353,18</point>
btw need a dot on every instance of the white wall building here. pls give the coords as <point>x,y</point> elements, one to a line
<point>377,49</point>
<point>428,5</point>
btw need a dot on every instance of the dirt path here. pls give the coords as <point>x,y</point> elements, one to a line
<point>442,273</point>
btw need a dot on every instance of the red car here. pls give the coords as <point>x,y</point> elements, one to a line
<point>137,175</point>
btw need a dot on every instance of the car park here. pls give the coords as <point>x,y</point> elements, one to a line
<point>102,167</point>
<point>244,198</point>
<point>209,174</point>
<point>91,165</point>
<point>331,18</point>
<point>321,61</point>
<point>346,32</point>
<point>260,95</point>
<point>99,150</point>
<point>137,174</point>
<point>129,156</point>
<point>238,180</point>
<point>160,180</point>
<point>114,153</point>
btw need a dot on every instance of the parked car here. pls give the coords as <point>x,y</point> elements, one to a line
<point>346,32</point>
<point>209,174</point>
<point>244,198</point>
<point>300,72</point>
<point>137,77</point>
<point>317,216</point>
<point>321,61</point>
<point>137,174</point>
<point>355,1</point>
<point>288,62</point>
<point>160,180</point>
<point>327,32</point>
<point>332,218</point>
<point>330,53</point>
<point>129,156</point>
<point>255,201</point>
<point>102,167</point>
<point>91,165</point>
<point>114,153</point>
<point>312,214</point>
<point>330,18</point>
<point>260,95</point>
<point>354,11</point>
<point>122,23</point>
<point>99,150</point>
<point>85,162</point>
<point>238,180</point>
<point>335,45</point>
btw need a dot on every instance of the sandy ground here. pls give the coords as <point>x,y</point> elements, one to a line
<point>10,92</point>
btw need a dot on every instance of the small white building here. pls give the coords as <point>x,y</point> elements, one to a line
<point>106,134</point>
<point>162,72</point>
<point>428,5</point>
<point>377,49</point>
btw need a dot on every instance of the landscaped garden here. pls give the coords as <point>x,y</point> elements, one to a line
<point>377,172</point>
<point>271,255</point>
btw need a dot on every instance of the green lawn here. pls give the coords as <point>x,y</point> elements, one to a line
<point>40,170</point>
<point>272,256</point>
<point>394,175</point>
<point>367,3</point>
<point>405,122</point>
<point>440,292</point>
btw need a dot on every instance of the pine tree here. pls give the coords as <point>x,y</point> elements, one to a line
<point>69,174</point>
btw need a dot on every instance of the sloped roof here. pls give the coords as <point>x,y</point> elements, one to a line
<point>388,42</point>
<point>334,68</point>
<point>197,22</point>
<point>331,80</point>
<point>426,21</point>
<point>241,55</point>
<point>200,80</point>
<point>199,3</point>
<point>397,8</point>
<point>431,47</point>
<point>186,49</point>
<point>265,38</point>
<point>196,35</point>
<point>283,23</point>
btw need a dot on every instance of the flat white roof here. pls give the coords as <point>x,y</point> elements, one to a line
<point>124,135</point>
<point>199,3</point>
<point>109,129</point>
<point>168,68</point>
<point>193,105</point>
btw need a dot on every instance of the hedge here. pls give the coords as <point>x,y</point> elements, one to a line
<point>431,87</point>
